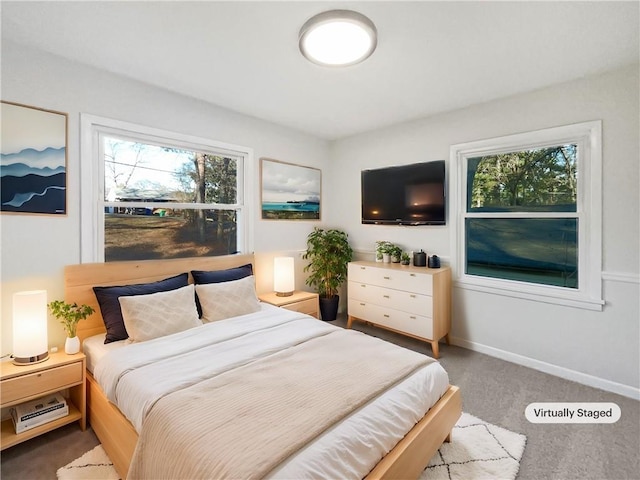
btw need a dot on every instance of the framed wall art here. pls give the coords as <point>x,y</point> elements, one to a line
<point>289,191</point>
<point>33,163</point>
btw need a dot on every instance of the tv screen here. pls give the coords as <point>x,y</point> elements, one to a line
<point>405,195</point>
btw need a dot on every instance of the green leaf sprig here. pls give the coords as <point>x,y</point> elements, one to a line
<point>70,314</point>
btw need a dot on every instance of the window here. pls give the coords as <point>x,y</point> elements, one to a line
<point>160,194</point>
<point>528,208</point>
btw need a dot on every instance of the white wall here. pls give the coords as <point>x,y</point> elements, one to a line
<point>599,348</point>
<point>36,248</point>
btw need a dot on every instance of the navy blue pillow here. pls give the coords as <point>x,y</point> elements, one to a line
<point>219,276</point>
<point>110,305</point>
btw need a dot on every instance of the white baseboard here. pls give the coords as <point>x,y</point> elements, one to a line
<point>579,377</point>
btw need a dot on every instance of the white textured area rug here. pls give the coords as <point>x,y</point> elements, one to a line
<point>478,451</point>
<point>93,465</point>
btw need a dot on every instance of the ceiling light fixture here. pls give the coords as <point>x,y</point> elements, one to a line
<point>338,38</point>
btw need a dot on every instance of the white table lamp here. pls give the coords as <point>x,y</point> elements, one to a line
<point>283,276</point>
<point>30,342</point>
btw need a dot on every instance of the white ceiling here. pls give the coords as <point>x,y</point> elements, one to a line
<point>431,56</point>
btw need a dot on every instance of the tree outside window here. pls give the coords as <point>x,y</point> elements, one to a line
<point>526,215</point>
<point>510,240</point>
<point>168,202</point>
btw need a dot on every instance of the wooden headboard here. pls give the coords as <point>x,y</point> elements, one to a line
<point>79,280</point>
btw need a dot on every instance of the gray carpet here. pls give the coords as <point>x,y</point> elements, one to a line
<point>493,390</point>
<point>498,392</point>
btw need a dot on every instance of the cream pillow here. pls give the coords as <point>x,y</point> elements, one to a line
<point>227,299</point>
<point>159,314</point>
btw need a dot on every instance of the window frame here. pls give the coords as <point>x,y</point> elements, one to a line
<point>588,137</point>
<point>92,171</point>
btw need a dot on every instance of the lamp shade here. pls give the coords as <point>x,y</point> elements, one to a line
<point>30,342</point>
<point>283,276</point>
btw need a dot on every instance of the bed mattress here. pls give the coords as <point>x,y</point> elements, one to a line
<point>135,375</point>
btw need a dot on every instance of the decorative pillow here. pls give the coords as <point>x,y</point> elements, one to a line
<point>159,314</point>
<point>218,276</point>
<point>228,299</point>
<point>110,306</point>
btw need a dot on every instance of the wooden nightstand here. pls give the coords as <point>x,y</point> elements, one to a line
<point>19,384</point>
<point>303,302</point>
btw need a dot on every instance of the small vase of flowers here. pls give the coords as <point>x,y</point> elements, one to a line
<point>69,315</point>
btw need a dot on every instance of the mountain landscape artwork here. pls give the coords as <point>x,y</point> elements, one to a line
<point>289,192</point>
<point>33,161</point>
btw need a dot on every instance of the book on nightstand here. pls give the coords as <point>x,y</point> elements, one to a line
<point>38,412</point>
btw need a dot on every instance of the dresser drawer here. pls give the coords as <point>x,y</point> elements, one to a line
<point>358,273</point>
<point>408,280</point>
<point>396,299</point>
<point>362,291</point>
<point>39,383</point>
<point>413,324</point>
<point>310,307</point>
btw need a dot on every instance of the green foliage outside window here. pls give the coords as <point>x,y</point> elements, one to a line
<point>507,234</point>
<point>542,179</point>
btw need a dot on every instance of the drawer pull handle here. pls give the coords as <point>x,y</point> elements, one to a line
<point>412,317</point>
<point>386,316</point>
<point>363,268</point>
<point>387,278</point>
<point>412,296</point>
<point>412,274</point>
<point>363,286</point>
<point>386,296</point>
<point>362,304</point>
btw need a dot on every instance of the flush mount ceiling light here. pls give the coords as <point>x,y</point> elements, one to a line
<point>338,38</point>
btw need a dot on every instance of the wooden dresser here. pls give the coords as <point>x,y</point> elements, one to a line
<point>415,301</point>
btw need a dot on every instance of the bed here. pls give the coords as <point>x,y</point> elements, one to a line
<point>405,457</point>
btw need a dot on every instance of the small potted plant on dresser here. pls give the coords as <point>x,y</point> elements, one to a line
<point>385,250</point>
<point>329,253</point>
<point>69,315</point>
<point>396,254</point>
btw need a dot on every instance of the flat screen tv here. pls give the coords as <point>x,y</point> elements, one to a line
<point>405,195</point>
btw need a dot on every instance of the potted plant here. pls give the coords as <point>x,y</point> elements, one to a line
<point>396,253</point>
<point>384,250</point>
<point>328,252</point>
<point>405,259</point>
<point>379,248</point>
<point>69,315</point>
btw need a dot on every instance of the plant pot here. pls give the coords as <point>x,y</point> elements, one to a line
<point>72,345</point>
<point>329,308</point>
<point>386,258</point>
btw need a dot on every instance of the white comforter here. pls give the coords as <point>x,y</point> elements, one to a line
<point>136,376</point>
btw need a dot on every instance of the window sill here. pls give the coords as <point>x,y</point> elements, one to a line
<point>574,301</point>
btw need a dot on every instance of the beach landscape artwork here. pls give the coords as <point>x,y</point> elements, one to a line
<point>33,161</point>
<point>289,191</point>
